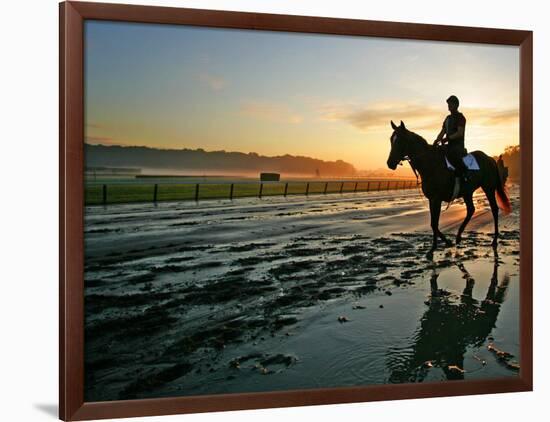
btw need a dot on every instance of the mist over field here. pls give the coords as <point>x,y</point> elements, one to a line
<point>213,162</point>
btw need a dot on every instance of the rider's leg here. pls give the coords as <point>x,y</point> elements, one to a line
<point>455,155</point>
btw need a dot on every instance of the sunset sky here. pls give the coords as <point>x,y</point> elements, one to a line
<point>327,97</point>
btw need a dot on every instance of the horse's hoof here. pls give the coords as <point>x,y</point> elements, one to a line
<point>458,240</point>
<point>430,253</point>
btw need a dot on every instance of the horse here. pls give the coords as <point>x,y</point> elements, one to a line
<point>438,181</point>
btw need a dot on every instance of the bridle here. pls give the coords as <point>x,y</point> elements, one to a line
<point>410,161</point>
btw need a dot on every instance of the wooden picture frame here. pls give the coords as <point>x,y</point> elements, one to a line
<point>71,205</point>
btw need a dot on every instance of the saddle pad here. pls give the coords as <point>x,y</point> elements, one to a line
<point>469,160</point>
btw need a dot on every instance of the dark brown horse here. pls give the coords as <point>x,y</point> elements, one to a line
<point>438,180</point>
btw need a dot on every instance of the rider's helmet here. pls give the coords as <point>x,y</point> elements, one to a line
<point>453,99</point>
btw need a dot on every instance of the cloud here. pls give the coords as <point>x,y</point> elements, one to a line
<point>491,116</point>
<point>378,115</point>
<point>269,111</point>
<point>215,83</point>
<point>418,116</point>
<point>94,126</point>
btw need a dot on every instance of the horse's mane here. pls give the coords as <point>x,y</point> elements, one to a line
<point>417,138</point>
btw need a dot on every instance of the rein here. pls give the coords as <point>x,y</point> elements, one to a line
<point>411,163</point>
<point>415,171</point>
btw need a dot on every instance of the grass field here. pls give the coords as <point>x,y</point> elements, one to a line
<point>116,193</point>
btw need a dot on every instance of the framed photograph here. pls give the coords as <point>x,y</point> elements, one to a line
<point>270,210</point>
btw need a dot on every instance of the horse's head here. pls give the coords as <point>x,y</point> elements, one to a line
<point>398,141</point>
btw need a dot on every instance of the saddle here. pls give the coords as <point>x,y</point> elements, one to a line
<point>469,161</point>
<point>471,164</point>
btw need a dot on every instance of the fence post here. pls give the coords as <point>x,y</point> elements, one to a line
<point>155,192</point>
<point>341,187</point>
<point>104,194</point>
<point>368,186</point>
<point>197,192</point>
<point>286,188</point>
<point>307,189</point>
<point>261,189</point>
<point>231,192</point>
<point>379,184</point>
<point>355,188</point>
<point>326,187</point>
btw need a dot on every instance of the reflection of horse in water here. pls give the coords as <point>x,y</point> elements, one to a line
<point>438,180</point>
<point>448,328</point>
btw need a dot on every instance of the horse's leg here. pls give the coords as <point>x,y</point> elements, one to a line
<point>490,193</point>
<point>470,209</point>
<point>433,283</point>
<point>444,238</point>
<point>435,211</point>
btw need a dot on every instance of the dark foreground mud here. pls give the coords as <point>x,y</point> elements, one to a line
<point>275,294</point>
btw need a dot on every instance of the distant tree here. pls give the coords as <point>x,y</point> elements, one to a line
<point>201,160</point>
<point>512,160</point>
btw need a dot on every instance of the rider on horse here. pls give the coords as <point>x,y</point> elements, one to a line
<point>453,127</point>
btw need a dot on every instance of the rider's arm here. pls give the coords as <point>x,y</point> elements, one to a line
<point>441,133</point>
<point>458,134</point>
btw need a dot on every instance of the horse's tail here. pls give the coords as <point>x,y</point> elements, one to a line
<point>503,200</point>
